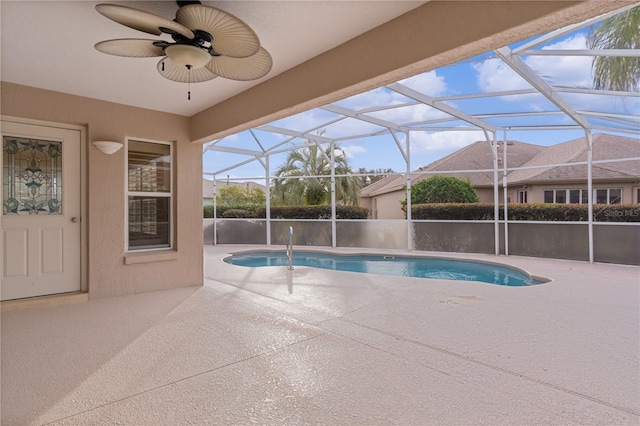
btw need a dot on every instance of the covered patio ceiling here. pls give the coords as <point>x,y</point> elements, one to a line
<point>525,95</point>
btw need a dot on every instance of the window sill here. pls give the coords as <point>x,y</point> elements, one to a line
<point>150,256</point>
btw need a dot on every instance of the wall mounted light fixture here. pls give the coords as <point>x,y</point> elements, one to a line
<point>108,147</point>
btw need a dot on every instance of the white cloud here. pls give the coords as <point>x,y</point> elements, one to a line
<point>429,147</point>
<point>493,75</point>
<point>429,83</point>
<point>422,142</point>
<point>571,71</point>
<point>352,150</point>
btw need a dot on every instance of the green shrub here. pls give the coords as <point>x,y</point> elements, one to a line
<point>443,189</point>
<point>236,213</point>
<point>249,209</point>
<point>532,212</point>
<point>314,212</point>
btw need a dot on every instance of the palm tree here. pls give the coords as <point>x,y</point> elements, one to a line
<point>622,31</point>
<point>290,189</point>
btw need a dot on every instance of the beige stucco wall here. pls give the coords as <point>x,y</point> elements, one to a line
<point>387,206</point>
<point>108,275</point>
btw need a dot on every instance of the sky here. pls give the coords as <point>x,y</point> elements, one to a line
<point>483,74</point>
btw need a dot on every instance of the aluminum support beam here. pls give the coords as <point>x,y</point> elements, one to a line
<point>409,219</point>
<point>589,139</point>
<point>505,194</point>
<point>267,190</point>
<point>496,196</point>
<point>519,66</point>
<point>441,106</point>
<point>371,120</point>
<point>333,195</point>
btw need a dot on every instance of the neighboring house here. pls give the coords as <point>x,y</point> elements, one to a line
<point>613,183</point>
<point>208,188</point>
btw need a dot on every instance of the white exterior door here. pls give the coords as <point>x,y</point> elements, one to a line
<point>41,231</point>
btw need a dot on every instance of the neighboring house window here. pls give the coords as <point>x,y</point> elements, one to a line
<point>581,196</point>
<point>637,195</point>
<point>522,196</point>
<point>555,196</point>
<point>566,196</point>
<point>608,196</point>
<point>149,195</point>
<point>578,196</point>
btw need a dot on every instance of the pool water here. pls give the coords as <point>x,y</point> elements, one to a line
<point>420,267</point>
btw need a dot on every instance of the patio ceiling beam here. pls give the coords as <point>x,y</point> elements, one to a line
<point>558,127</point>
<point>428,100</point>
<point>487,95</point>
<point>634,118</point>
<point>444,129</point>
<point>308,131</point>
<point>236,151</point>
<point>378,108</point>
<point>288,132</point>
<point>207,146</point>
<point>372,120</point>
<point>433,121</point>
<point>255,138</point>
<point>519,114</point>
<point>299,146</point>
<point>616,129</point>
<point>522,69</point>
<point>234,166</point>
<point>361,135</point>
<point>404,153</point>
<point>581,91</point>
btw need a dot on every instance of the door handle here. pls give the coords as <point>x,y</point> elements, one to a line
<point>75,220</point>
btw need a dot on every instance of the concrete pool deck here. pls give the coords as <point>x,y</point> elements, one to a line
<point>313,346</point>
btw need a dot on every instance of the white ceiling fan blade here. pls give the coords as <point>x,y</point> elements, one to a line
<point>130,47</point>
<point>243,69</point>
<point>141,20</point>
<point>231,36</point>
<point>182,74</point>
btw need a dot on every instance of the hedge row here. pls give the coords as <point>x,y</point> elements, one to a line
<point>533,212</point>
<point>231,210</point>
<point>289,212</point>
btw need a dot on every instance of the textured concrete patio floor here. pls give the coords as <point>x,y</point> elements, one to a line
<point>312,346</point>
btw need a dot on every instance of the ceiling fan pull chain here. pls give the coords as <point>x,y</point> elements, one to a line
<point>189,82</point>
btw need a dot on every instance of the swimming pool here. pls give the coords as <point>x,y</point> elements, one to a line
<point>419,267</point>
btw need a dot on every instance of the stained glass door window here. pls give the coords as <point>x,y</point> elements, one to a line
<point>32,176</point>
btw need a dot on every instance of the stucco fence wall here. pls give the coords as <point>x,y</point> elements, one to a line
<point>613,242</point>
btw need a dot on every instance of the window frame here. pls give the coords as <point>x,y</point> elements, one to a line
<point>582,195</point>
<point>158,194</point>
<point>595,195</point>
<point>523,196</point>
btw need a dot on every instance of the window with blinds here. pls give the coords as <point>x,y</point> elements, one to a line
<point>149,195</point>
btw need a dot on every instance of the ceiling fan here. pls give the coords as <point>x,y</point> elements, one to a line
<point>206,43</point>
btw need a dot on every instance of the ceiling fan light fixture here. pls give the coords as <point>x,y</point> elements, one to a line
<point>185,55</point>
